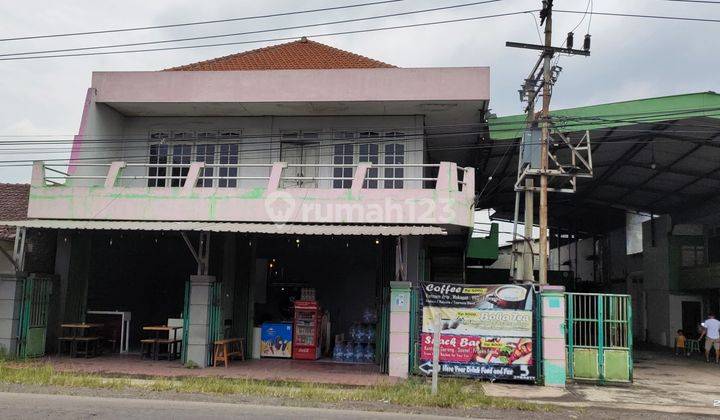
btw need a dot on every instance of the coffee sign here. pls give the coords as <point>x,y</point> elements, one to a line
<point>486,330</point>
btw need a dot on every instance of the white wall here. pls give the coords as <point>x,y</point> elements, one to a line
<point>6,266</point>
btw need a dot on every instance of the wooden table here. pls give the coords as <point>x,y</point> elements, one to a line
<point>159,328</point>
<point>171,343</point>
<point>80,327</point>
<point>78,330</point>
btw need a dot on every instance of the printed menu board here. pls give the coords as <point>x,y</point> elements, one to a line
<point>486,330</point>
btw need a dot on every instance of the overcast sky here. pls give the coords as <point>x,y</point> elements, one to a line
<point>631,58</point>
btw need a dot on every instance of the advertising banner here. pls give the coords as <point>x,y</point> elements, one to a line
<point>486,331</point>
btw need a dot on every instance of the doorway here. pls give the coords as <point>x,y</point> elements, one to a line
<point>300,149</point>
<point>691,317</point>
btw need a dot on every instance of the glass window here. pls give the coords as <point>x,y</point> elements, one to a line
<point>158,157</point>
<point>228,156</point>
<point>181,156</point>
<point>369,153</point>
<point>182,135</point>
<point>205,153</point>
<point>394,155</point>
<point>343,155</point>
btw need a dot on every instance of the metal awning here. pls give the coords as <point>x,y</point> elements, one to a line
<point>260,228</point>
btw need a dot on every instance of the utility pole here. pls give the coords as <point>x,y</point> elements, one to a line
<point>541,80</point>
<point>545,117</point>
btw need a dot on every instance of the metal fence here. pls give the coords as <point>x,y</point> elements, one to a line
<point>599,337</point>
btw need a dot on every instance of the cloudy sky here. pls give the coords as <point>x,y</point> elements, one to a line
<point>631,58</point>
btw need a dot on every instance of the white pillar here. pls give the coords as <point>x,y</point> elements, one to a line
<point>198,320</point>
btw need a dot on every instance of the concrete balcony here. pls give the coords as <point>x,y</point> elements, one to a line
<point>277,192</point>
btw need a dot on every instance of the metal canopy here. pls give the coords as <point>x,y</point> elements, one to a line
<point>659,166</point>
<point>259,228</point>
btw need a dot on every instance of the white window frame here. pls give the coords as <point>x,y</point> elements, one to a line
<point>175,176</point>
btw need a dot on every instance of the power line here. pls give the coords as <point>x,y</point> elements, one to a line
<point>259,31</point>
<point>206,22</point>
<point>256,41</point>
<point>557,116</point>
<point>631,15</point>
<point>695,1</point>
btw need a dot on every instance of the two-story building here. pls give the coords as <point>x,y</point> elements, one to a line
<point>216,191</point>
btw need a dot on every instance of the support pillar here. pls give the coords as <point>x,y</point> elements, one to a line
<point>10,301</point>
<point>199,320</point>
<point>399,356</point>
<point>554,363</point>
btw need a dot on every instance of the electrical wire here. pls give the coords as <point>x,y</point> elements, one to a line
<point>206,22</point>
<point>631,15</point>
<point>257,41</point>
<point>558,116</point>
<point>259,31</point>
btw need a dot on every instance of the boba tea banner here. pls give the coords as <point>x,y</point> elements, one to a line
<point>486,330</point>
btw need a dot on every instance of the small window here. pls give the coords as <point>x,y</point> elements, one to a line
<point>228,174</point>
<point>157,170</point>
<point>205,153</point>
<point>342,156</point>
<point>229,134</point>
<point>159,135</point>
<point>394,155</point>
<point>369,153</point>
<point>692,255</point>
<point>207,135</point>
<point>181,157</point>
<point>182,135</point>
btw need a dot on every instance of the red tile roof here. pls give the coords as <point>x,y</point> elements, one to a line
<point>13,206</point>
<point>301,54</point>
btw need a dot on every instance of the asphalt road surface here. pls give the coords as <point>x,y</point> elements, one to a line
<point>42,406</point>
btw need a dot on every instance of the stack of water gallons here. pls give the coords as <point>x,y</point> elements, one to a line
<point>360,348</point>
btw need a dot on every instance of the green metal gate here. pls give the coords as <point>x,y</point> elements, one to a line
<point>34,311</point>
<point>599,337</point>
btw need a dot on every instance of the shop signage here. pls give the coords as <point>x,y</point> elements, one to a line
<point>486,331</point>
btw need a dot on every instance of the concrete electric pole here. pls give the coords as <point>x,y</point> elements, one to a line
<point>534,156</point>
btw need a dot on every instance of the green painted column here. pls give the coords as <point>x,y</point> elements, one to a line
<point>554,363</point>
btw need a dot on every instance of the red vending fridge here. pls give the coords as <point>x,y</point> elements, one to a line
<point>306,331</point>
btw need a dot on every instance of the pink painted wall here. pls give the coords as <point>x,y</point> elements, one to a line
<point>420,84</point>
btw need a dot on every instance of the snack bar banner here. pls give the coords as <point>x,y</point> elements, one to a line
<point>486,331</point>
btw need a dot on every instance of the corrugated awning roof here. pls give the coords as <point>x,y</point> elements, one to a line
<point>262,228</point>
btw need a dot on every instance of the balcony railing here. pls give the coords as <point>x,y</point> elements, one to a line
<point>278,175</point>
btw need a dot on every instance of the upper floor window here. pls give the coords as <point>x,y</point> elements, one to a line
<point>228,173</point>
<point>343,155</point>
<point>169,160</point>
<point>692,255</point>
<point>370,147</point>
<point>205,153</point>
<point>394,155</point>
<point>157,171</point>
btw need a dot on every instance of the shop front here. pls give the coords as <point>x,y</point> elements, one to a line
<point>302,298</point>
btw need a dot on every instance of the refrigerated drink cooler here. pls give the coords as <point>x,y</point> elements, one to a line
<point>306,330</point>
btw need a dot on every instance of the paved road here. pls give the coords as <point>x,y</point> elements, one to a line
<point>42,406</point>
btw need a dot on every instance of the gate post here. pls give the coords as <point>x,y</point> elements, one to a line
<point>399,360</point>
<point>553,335</point>
<point>199,320</point>
<point>11,287</point>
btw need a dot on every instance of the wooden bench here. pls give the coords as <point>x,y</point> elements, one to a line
<point>69,342</point>
<point>86,346</point>
<point>147,347</point>
<point>173,347</point>
<point>226,349</point>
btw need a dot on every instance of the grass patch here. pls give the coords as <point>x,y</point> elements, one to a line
<point>453,393</point>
